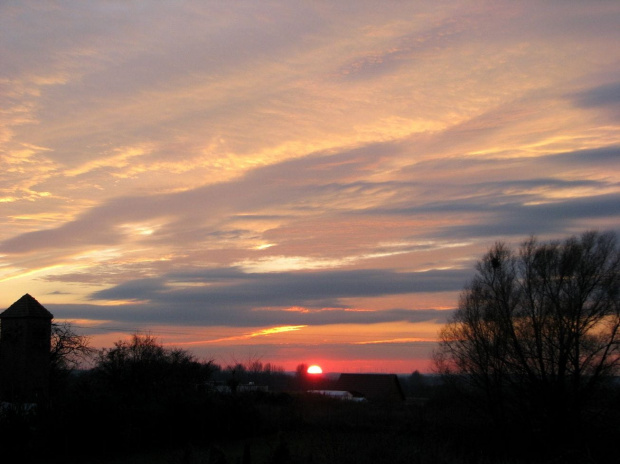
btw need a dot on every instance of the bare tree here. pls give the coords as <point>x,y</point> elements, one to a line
<point>537,331</point>
<point>68,349</point>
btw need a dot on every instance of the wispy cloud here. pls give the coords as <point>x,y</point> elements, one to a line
<point>247,336</point>
<point>399,340</point>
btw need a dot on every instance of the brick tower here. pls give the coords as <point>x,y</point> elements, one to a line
<point>25,334</point>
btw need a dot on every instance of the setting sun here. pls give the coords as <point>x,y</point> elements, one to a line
<point>315,369</point>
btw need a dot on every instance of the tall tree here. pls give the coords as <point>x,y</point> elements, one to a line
<point>538,330</point>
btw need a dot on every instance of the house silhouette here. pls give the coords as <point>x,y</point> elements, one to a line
<point>373,387</point>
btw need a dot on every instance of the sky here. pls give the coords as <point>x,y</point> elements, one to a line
<point>294,181</point>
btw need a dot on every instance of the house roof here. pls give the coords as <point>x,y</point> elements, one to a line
<point>26,306</point>
<point>382,387</point>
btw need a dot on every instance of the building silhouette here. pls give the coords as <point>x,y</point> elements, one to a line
<point>25,335</point>
<point>373,387</point>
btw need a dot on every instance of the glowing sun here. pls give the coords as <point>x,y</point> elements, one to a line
<point>314,369</point>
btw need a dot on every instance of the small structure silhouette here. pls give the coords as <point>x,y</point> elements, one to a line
<point>373,387</point>
<point>25,337</point>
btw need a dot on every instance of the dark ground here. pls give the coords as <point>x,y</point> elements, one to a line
<point>90,426</point>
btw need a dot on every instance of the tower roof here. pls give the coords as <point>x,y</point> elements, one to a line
<point>26,306</point>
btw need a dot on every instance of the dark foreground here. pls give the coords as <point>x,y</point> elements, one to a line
<point>88,426</point>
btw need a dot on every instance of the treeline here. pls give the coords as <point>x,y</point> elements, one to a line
<point>141,396</point>
<point>143,360</point>
<point>143,402</point>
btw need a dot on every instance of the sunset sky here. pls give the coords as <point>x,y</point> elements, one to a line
<point>294,181</point>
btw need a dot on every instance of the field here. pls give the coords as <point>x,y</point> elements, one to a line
<point>289,427</point>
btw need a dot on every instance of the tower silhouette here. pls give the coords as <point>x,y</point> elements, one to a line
<point>25,334</point>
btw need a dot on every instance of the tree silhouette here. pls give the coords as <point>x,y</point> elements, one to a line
<point>67,348</point>
<point>301,376</point>
<point>142,368</point>
<point>537,331</point>
<point>68,351</point>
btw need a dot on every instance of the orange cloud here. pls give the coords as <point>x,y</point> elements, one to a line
<point>398,340</point>
<point>249,335</point>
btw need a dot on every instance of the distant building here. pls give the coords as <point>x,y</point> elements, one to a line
<point>339,394</point>
<point>373,387</point>
<point>223,387</point>
<point>25,336</point>
<point>251,387</point>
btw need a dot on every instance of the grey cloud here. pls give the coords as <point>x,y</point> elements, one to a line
<point>546,182</point>
<point>233,298</point>
<point>606,95</point>
<point>509,207</point>
<point>520,220</point>
<point>141,316</point>
<point>603,156</point>
<point>283,289</point>
<point>138,289</point>
<point>481,197</point>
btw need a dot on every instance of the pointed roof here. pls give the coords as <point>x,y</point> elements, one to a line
<point>381,387</point>
<point>26,306</point>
